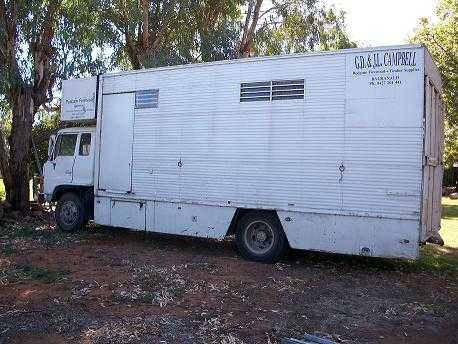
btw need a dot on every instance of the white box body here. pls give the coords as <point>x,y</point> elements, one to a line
<point>79,99</point>
<point>354,167</point>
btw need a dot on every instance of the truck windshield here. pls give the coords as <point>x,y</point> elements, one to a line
<point>65,145</point>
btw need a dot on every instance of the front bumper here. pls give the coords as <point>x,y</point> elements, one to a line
<point>44,198</point>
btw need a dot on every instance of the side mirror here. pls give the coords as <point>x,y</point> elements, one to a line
<point>52,141</point>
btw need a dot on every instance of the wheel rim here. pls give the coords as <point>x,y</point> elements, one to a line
<point>69,213</point>
<point>259,237</point>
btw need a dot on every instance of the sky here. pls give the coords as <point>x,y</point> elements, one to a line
<point>383,22</point>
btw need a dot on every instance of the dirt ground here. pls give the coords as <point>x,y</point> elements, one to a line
<point>106,285</point>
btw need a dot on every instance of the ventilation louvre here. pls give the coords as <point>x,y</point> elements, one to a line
<point>147,99</point>
<point>255,91</point>
<point>288,89</point>
<point>272,90</point>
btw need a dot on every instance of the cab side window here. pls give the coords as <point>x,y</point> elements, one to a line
<point>85,144</point>
<point>65,145</point>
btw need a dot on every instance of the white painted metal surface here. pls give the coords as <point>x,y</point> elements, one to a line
<point>371,236</point>
<point>130,214</point>
<point>78,99</point>
<point>343,167</point>
<point>116,142</point>
<point>188,219</point>
<point>383,133</point>
<point>83,167</point>
<point>68,166</point>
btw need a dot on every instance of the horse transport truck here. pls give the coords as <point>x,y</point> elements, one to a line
<point>335,151</point>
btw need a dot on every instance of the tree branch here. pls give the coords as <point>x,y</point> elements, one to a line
<point>267,11</point>
<point>43,51</point>
<point>145,23</point>
<point>249,29</point>
<point>445,51</point>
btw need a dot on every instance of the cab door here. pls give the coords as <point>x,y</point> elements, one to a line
<point>83,166</point>
<point>59,171</point>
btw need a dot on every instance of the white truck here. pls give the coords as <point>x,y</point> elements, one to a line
<point>335,151</point>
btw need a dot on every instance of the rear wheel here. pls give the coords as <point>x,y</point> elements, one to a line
<point>260,237</point>
<point>70,212</point>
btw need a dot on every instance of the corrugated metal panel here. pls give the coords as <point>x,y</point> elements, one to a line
<point>118,83</point>
<point>383,171</point>
<point>383,141</point>
<point>203,145</point>
<point>255,153</point>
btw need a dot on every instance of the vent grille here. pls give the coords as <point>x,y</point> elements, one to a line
<point>272,90</point>
<point>255,91</point>
<point>288,89</point>
<point>147,99</point>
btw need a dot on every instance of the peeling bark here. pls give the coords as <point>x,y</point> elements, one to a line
<point>5,166</point>
<point>24,97</point>
<point>245,47</point>
<point>19,140</point>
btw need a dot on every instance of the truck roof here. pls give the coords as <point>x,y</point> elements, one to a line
<point>77,129</point>
<point>274,57</point>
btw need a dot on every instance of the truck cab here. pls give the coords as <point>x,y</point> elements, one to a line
<point>69,175</point>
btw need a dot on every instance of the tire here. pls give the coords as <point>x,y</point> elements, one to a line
<point>70,213</point>
<point>260,237</point>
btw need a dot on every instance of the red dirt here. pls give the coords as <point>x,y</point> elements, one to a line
<point>108,294</point>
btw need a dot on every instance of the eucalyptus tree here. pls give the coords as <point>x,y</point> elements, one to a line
<point>441,38</point>
<point>148,33</point>
<point>40,42</point>
<point>156,33</point>
<point>290,26</point>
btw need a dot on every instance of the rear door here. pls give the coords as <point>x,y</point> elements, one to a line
<point>432,162</point>
<point>115,168</point>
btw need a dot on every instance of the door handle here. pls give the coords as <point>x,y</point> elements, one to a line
<point>68,172</point>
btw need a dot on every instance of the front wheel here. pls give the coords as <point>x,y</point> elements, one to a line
<point>69,212</point>
<point>260,237</point>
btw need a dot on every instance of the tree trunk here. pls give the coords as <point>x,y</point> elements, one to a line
<point>19,140</point>
<point>5,166</point>
<point>245,48</point>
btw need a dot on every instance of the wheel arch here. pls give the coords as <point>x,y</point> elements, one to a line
<point>86,194</point>
<point>241,212</point>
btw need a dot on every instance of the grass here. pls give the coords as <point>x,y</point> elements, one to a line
<point>432,257</point>
<point>17,231</point>
<point>3,194</point>
<point>2,190</point>
<point>443,258</point>
<point>449,222</point>
<point>38,274</point>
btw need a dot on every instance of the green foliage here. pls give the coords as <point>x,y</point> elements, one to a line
<point>73,41</point>
<point>441,38</point>
<point>80,48</point>
<point>300,26</point>
<point>450,148</point>
<point>2,190</point>
<point>42,129</point>
<point>5,117</point>
<point>165,32</point>
<point>202,30</point>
